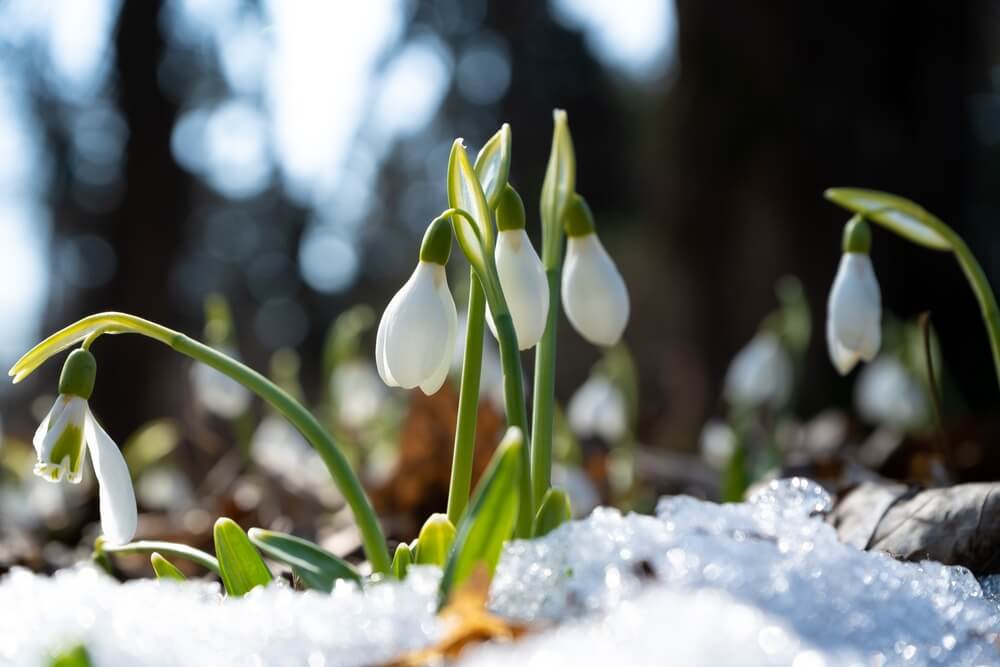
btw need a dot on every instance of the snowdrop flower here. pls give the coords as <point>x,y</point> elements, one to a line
<point>887,393</point>
<point>854,312</point>
<point>598,409</point>
<point>593,293</point>
<point>760,373</point>
<point>220,394</point>
<point>65,436</point>
<point>522,276</point>
<point>416,335</point>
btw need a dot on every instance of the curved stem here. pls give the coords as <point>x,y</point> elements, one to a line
<point>307,425</point>
<point>468,402</point>
<point>170,548</point>
<point>544,394</point>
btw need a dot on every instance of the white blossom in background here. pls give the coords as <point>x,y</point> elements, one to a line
<point>598,409</point>
<point>888,394</point>
<point>359,393</point>
<point>717,443</point>
<point>220,394</point>
<point>583,496</point>
<point>491,379</point>
<point>594,295</point>
<point>524,285</point>
<point>416,335</point>
<point>760,374</point>
<point>854,313</point>
<point>279,449</point>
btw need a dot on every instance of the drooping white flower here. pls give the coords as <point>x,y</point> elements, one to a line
<point>220,394</point>
<point>416,335</point>
<point>68,432</point>
<point>522,279</point>
<point>888,394</point>
<point>854,313</point>
<point>760,373</point>
<point>717,443</point>
<point>598,409</point>
<point>593,293</point>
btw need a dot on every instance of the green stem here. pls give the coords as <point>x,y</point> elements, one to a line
<point>348,483</point>
<point>170,548</point>
<point>468,402</point>
<point>544,394</point>
<point>984,295</point>
<point>517,414</point>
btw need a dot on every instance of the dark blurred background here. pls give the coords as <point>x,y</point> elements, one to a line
<point>288,156</point>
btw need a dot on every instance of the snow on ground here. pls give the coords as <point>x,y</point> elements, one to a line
<point>760,583</point>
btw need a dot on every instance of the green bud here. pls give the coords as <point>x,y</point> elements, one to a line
<point>401,560</point>
<point>436,538</point>
<point>553,512</point>
<point>78,374</point>
<point>857,235</point>
<point>578,219</point>
<point>436,246</point>
<point>510,210</point>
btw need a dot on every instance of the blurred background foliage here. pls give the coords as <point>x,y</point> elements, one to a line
<point>285,158</point>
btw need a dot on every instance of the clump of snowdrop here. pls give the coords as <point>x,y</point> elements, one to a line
<point>69,431</point>
<point>593,292</point>
<point>888,394</point>
<point>598,409</point>
<point>760,374</point>
<point>416,335</point>
<point>854,315</point>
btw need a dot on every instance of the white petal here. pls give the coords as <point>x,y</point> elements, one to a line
<point>119,515</point>
<point>594,295</point>
<point>760,373</point>
<point>854,311</point>
<point>843,359</point>
<point>522,278</point>
<point>434,382</point>
<point>73,411</point>
<point>43,428</point>
<point>383,324</point>
<point>417,328</point>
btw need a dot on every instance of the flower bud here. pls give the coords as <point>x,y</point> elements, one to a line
<point>525,287</point>
<point>854,313</point>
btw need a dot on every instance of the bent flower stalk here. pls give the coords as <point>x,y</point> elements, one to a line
<point>65,436</point>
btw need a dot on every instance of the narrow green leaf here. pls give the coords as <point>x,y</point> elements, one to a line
<point>401,560</point>
<point>76,656</point>
<point>493,165</point>
<point>554,511</point>
<point>465,192</point>
<point>557,188</point>
<point>900,215</point>
<point>241,566</point>
<point>315,566</point>
<point>168,548</point>
<point>164,569</point>
<point>436,538</point>
<point>490,519</point>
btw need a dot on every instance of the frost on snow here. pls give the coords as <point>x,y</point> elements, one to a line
<point>758,583</point>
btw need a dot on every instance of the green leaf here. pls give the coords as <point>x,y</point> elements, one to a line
<point>900,215</point>
<point>493,165</point>
<point>168,548</point>
<point>490,518</point>
<point>465,192</point>
<point>436,538</point>
<point>164,569</point>
<point>554,511</point>
<point>558,187</point>
<point>401,560</point>
<point>315,566</point>
<point>241,566</point>
<point>73,657</point>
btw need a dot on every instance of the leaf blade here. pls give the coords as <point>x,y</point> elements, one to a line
<point>492,165</point>
<point>898,214</point>
<point>241,567</point>
<point>466,193</point>
<point>164,569</point>
<point>315,566</point>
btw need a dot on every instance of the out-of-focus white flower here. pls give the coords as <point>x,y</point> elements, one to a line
<point>491,378</point>
<point>888,394</point>
<point>583,496</point>
<point>522,279</point>
<point>416,334</point>
<point>358,391</point>
<point>278,448</point>
<point>760,373</point>
<point>65,436</point>
<point>220,394</point>
<point>598,409</point>
<point>717,443</point>
<point>854,313</point>
<point>593,293</point>
<point>164,488</point>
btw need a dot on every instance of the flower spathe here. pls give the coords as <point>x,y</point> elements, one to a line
<point>854,313</point>
<point>522,279</point>
<point>67,433</point>
<point>416,335</point>
<point>593,292</point>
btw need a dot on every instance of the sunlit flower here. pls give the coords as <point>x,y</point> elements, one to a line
<point>416,335</point>
<point>854,313</point>
<point>593,292</point>
<point>887,393</point>
<point>522,278</point>
<point>598,409</point>
<point>65,436</point>
<point>760,373</point>
<point>220,394</point>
